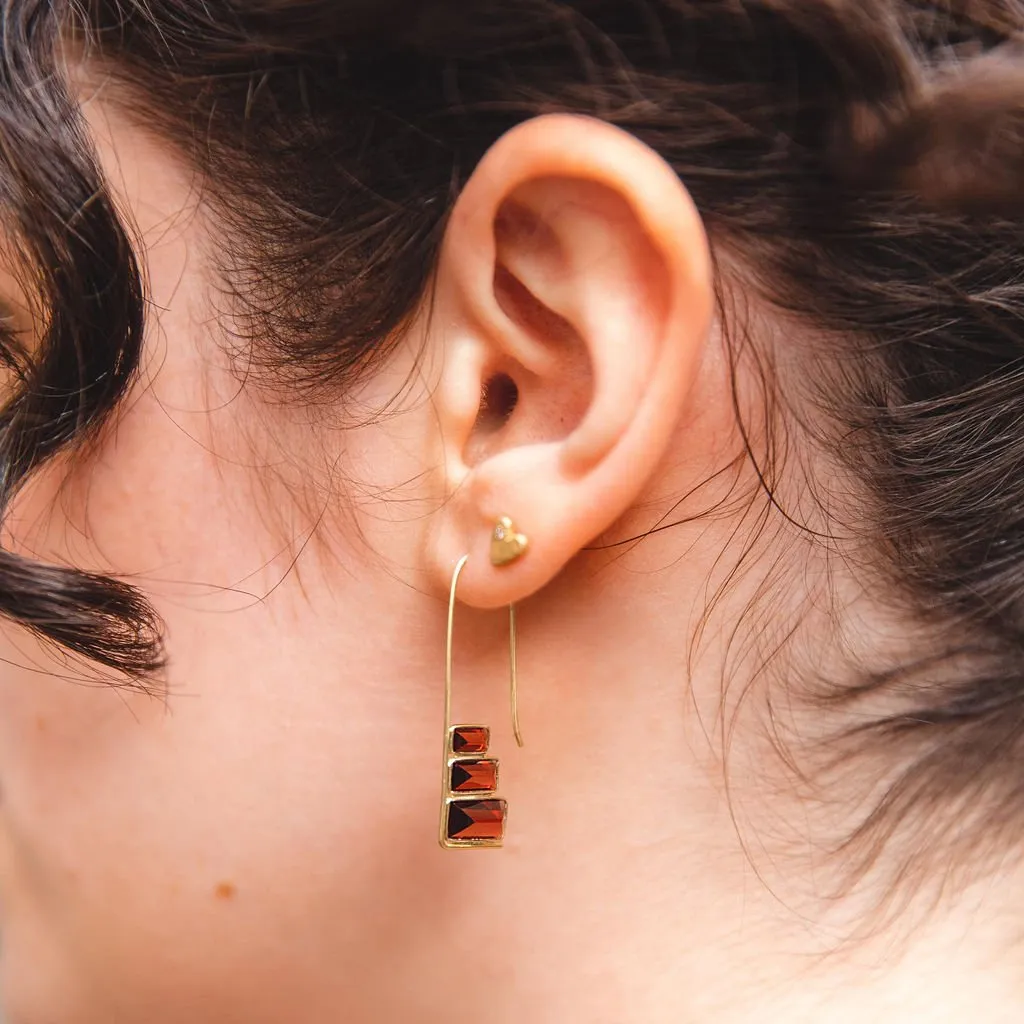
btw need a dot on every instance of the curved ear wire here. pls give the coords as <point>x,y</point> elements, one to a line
<point>513,675</point>
<point>506,546</point>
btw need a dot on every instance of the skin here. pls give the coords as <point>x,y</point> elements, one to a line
<point>259,844</point>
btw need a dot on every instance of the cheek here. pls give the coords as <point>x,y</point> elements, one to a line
<point>156,499</point>
<point>248,844</point>
<point>214,850</point>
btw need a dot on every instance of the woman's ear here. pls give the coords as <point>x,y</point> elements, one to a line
<point>573,300</point>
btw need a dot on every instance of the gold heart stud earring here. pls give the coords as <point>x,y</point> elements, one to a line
<point>506,544</point>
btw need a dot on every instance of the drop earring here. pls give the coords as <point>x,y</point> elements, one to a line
<point>472,815</point>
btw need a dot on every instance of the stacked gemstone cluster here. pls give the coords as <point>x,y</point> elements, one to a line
<point>473,817</point>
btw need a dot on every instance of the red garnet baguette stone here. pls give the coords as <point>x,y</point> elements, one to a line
<point>476,819</point>
<point>474,776</point>
<point>470,739</point>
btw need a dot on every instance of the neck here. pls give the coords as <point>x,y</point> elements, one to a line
<point>669,862</point>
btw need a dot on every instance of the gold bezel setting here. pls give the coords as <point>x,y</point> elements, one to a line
<point>467,798</point>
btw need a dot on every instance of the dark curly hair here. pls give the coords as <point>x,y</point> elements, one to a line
<point>859,160</point>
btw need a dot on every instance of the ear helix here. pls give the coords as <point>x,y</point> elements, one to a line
<point>472,815</point>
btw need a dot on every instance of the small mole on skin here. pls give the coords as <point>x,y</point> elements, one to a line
<point>40,723</point>
<point>225,891</point>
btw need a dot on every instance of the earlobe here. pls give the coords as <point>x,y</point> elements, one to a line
<point>575,274</point>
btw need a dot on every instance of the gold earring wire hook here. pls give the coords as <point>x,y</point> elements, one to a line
<point>513,683</point>
<point>460,565</point>
<point>513,696</point>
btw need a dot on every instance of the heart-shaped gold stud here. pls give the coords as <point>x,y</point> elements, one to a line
<point>506,544</point>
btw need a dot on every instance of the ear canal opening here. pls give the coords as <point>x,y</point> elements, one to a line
<point>498,400</point>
